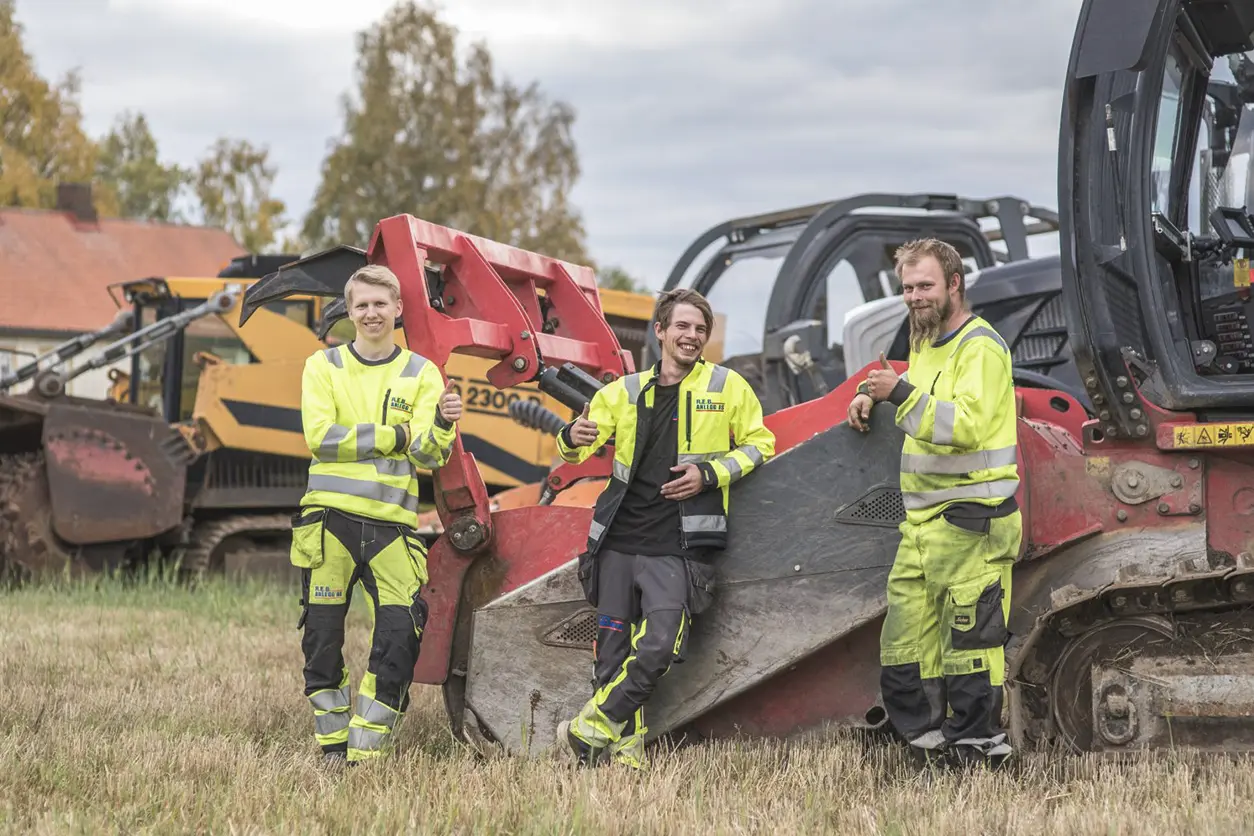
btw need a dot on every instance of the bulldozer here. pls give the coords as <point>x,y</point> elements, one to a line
<point>1131,626</point>
<point>198,454</point>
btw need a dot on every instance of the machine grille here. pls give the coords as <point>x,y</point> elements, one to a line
<point>881,506</point>
<point>1044,337</point>
<point>578,630</point>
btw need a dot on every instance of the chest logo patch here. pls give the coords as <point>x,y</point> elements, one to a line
<point>401,405</point>
<point>709,405</point>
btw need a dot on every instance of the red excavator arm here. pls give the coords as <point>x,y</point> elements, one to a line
<point>526,311</point>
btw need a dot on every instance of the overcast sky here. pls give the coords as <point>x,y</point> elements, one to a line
<point>689,113</point>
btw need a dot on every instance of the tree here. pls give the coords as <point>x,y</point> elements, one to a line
<point>233,184</point>
<point>448,141</point>
<point>129,166</point>
<point>42,141</point>
<point>616,278</point>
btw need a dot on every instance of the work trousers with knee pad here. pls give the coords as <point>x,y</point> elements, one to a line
<point>942,647</point>
<point>645,606</point>
<point>388,562</point>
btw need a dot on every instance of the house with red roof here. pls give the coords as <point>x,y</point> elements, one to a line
<point>56,266</point>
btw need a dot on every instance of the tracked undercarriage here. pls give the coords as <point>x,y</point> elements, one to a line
<point>1162,656</point>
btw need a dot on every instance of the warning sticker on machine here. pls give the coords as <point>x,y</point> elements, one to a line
<point>1213,435</point>
<point>1241,272</point>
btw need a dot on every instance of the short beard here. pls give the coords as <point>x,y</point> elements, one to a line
<point>926,323</point>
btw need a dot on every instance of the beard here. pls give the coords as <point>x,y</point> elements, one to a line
<point>926,323</point>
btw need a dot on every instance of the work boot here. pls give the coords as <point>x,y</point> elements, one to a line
<point>585,755</point>
<point>335,760</point>
<point>985,754</point>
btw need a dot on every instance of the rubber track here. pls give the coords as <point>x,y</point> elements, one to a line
<point>207,536</point>
<point>1196,587</point>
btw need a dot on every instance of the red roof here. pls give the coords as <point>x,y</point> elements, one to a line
<point>54,269</point>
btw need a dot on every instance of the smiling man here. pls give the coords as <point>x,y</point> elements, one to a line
<point>942,644</point>
<point>683,431</point>
<point>373,413</point>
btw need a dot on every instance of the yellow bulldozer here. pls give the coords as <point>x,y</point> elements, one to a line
<point>198,453</point>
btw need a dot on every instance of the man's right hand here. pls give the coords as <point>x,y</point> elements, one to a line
<point>583,432</point>
<point>860,412</point>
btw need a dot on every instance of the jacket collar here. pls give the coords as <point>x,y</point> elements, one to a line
<point>650,376</point>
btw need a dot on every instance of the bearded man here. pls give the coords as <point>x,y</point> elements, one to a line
<point>942,644</point>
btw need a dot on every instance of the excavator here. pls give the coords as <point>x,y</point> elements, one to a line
<point>1131,626</point>
<point>198,454</point>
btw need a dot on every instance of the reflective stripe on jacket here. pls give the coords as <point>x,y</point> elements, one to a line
<point>350,409</point>
<point>720,429</point>
<point>958,412</point>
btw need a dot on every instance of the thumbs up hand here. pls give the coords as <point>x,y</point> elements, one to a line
<point>450,403</point>
<point>584,431</point>
<point>882,380</point>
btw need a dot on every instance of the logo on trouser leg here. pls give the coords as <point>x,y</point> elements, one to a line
<point>607,623</point>
<point>327,593</point>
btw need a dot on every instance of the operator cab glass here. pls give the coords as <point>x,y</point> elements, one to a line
<point>1210,158</point>
<point>1154,165</point>
<point>166,375</point>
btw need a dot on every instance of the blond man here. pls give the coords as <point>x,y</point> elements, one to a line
<point>373,414</point>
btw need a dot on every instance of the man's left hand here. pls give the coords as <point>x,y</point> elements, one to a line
<point>450,403</point>
<point>882,381</point>
<point>686,486</point>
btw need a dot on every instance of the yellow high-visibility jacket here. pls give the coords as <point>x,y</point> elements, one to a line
<point>956,404</point>
<point>720,429</point>
<point>352,410</point>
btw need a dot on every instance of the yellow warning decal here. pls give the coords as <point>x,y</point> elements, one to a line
<point>1241,272</point>
<point>1213,435</point>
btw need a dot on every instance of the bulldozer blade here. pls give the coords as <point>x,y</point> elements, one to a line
<point>115,473</point>
<point>813,535</point>
<point>321,274</point>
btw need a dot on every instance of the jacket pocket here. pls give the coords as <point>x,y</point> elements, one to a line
<point>701,585</point>
<point>975,618</point>
<point>308,525</point>
<point>589,571</point>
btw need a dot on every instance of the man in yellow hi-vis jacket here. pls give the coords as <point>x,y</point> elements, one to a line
<point>372,413</point>
<point>683,431</point>
<point>942,643</point>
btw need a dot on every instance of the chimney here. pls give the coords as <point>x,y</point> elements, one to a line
<point>75,198</point>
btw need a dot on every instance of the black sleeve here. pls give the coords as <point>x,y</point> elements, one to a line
<point>900,392</point>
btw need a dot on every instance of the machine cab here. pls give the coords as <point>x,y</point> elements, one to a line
<point>785,281</point>
<point>1155,187</point>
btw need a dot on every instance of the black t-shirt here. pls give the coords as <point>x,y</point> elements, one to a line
<point>647,522</point>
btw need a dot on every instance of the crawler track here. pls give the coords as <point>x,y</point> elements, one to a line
<point>1144,662</point>
<point>238,544</point>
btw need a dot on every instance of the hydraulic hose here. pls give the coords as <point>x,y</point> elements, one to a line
<point>536,416</point>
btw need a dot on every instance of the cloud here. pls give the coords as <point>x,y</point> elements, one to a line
<point>689,114</point>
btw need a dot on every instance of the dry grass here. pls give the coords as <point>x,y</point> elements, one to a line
<point>152,709</point>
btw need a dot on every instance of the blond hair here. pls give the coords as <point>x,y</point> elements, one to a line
<point>946,255</point>
<point>373,274</point>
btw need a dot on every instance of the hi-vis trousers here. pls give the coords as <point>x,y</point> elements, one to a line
<point>388,562</point>
<point>942,645</point>
<point>644,606</point>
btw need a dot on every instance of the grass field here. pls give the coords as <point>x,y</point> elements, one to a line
<point>151,709</point>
